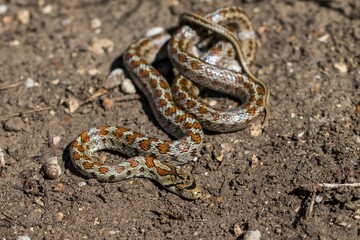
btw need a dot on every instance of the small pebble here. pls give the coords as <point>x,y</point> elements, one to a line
<point>82,184</point>
<point>73,104</point>
<point>212,103</point>
<point>47,9</point>
<point>101,46</point>
<point>23,238</point>
<point>2,157</point>
<point>254,161</point>
<point>7,19</point>
<point>3,8</point>
<point>153,31</point>
<point>14,125</point>
<point>127,86</point>
<point>14,43</point>
<point>115,78</point>
<point>324,38</point>
<point>56,140</point>
<point>58,217</point>
<point>113,232</point>
<point>341,67</point>
<point>59,187</point>
<point>237,230</point>
<point>94,72</point>
<point>220,156</point>
<point>252,235</point>
<point>31,83</point>
<point>51,168</point>
<point>318,198</point>
<point>23,16</point>
<point>95,23</point>
<point>255,129</point>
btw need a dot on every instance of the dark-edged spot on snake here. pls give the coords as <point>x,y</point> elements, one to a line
<point>112,177</point>
<point>188,125</point>
<point>80,148</point>
<point>164,147</point>
<point>132,162</point>
<point>149,161</point>
<point>145,145</point>
<point>76,156</point>
<point>252,98</point>
<point>163,172</point>
<point>143,73</point>
<point>190,103</point>
<point>260,90</point>
<point>74,144</point>
<point>168,96</point>
<point>260,102</point>
<point>181,96</point>
<point>164,84</point>
<point>119,169</point>
<point>135,64</point>
<point>132,137</point>
<point>85,157</point>
<point>119,132</point>
<point>102,131</point>
<point>88,165</point>
<point>155,72</point>
<point>128,173</point>
<point>195,65</point>
<point>188,177</point>
<point>182,57</point>
<point>239,78</point>
<point>251,111</point>
<point>161,103</point>
<point>153,82</point>
<point>171,110</point>
<point>157,93</point>
<point>202,110</point>
<point>142,169</point>
<point>103,170</point>
<point>194,137</point>
<point>84,137</point>
<point>175,88</point>
<point>181,117</point>
<point>180,43</point>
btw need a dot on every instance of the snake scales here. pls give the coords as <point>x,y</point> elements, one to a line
<point>178,108</point>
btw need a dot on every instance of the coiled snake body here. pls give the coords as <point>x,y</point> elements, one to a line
<point>177,108</point>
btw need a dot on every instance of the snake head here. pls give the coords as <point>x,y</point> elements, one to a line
<point>182,184</point>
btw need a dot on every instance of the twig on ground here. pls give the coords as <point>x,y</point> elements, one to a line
<point>13,85</point>
<point>327,185</point>
<point>26,112</point>
<point>312,203</point>
<point>337,185</point>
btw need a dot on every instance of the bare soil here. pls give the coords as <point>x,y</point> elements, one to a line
<point>309,55</point>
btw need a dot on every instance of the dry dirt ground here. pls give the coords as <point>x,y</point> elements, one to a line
<point>308,55</point>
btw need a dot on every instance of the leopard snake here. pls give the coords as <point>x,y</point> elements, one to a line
<point>178,109</point>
